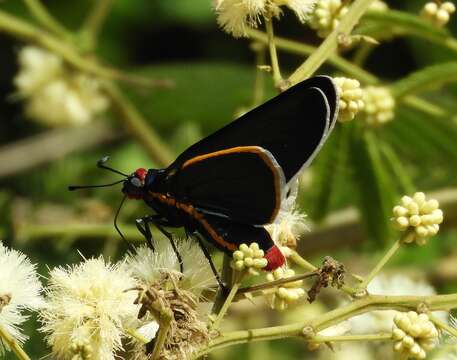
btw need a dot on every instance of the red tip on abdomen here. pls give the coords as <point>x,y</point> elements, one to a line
<point>275,258</point>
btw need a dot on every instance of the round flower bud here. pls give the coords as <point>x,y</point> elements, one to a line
<point>250,258</point>
<point>350,98</point>
<point>413,335</point>
<point>418,214</point>
<point>286,293</point>
<point>438,14</point>
<point>379,105</point>
<point>326,16</point>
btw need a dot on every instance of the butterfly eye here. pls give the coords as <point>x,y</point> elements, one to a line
<point>136,182</point>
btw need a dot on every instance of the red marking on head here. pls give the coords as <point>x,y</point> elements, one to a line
<point>275,258</point>
<point>141,173</point>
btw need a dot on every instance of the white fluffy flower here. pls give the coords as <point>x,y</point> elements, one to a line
<point>438,14</point>
<point>236,16</point>
<point>414,334</point>
<point>351,98</point>
<point>87,308</point>
<point>287,228</point>
<point>54,94</point>
<point>20,290</point>
<point>397,285</point>
<point>327,16</point>
<point>379,105</point>
<point>379,5</point>
<point>148,266</point>
<point>419,214</point>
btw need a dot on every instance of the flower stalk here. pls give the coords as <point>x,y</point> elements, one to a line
<point>13,344</point>
<point>387,256</point>
<point>277,78</point>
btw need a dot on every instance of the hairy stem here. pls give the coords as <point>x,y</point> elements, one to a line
<point>13,344</point>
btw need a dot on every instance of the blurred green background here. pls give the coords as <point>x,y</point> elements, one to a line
<point>214,78</point>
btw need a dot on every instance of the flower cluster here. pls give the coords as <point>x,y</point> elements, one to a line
<point>87,308</point>
<point>379,105</point>
<point>20,290</point>
<point>148,266</point>
<point>416,212</point>
<point>438,14</point>
<point>249,258</point>
<point>327,16</point>
<point>286,293</point>
<point>236,16</point>
<point>54,94</point>
<point>414,335</point>
<point>351,95</point>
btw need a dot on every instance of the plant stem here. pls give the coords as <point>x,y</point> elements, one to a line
<point>300,261</point>
<point>138,126</point>
<point>388,255</point>
<point>164,320</point>
<point>95,19</point>
<point>227,279</point>
<point>277,79</point>
<point>49,22</point>
<point>136,335</point>
<point>366,337</point>
<point>257,97</point>
<point>347,67</point>
<point>27,32</point>
<point>228,302</point>
<point>357,307</point>
<point>330,44</point>
<point>270,284</point>
<point>13,344</point>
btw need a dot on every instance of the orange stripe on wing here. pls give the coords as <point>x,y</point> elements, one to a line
<point>253,150</point>
<point>190,210</point>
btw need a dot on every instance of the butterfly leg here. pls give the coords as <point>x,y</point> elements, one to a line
<point>158,225</point>
<point>210,260</point>
<point>143,227</point>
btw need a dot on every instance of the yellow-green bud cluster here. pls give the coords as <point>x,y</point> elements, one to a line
<point>350,98</point>
<point>286,293</point>
<point>414,335</point>
<point>326,16</point>
<point>438,14</point>
<point>250,258</point>
<point>379,105</point>
<point>419,213</point>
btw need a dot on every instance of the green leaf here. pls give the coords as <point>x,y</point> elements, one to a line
<point>432,76</point>
<point>329,171</point>
<point>206,93</point>
<point>376,192</point>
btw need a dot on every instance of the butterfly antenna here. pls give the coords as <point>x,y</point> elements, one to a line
<point>101,164</point>
<point>77,187</point>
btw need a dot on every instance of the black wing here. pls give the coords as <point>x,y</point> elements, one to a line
<point>243,183</point>
<point>292,127</point>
